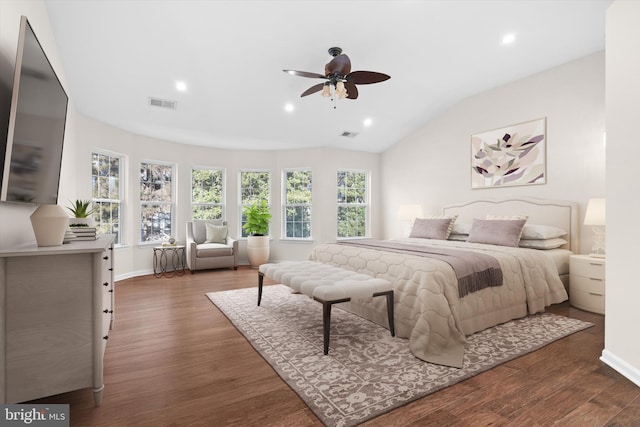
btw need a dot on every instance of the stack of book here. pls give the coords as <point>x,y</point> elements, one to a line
<point>84,233</point>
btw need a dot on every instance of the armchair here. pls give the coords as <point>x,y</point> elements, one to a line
<point>209,246</point>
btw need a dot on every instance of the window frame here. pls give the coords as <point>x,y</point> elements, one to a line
<point>223,204</point>
<point>119,201</point>
<point>366,204</point>
<point>286,205</point>
<point>241,205</point>
<point>172,203</point>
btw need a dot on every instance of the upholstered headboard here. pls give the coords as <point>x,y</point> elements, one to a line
<point>559,213</point>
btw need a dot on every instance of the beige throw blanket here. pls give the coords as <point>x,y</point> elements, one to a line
<point>428,309</point>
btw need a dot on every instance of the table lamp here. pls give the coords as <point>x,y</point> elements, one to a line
<point>595,217</point>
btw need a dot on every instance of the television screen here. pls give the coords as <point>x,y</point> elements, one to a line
<point>35,135</point>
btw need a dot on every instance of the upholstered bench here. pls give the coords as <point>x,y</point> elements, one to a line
<point>328,285</point>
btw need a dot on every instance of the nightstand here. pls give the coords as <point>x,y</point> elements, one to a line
<point>586,283</point>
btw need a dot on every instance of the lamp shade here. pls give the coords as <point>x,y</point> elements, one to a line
<point>409,212</point>
<point>595,212</point>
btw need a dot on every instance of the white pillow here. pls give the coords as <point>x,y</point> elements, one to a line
<point>461,228</point>
<point>542,243</point>
<point>216,233</point>
<point>537,231</point>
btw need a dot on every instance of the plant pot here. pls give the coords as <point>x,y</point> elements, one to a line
<point>85,222</point>
<point>258,250</point>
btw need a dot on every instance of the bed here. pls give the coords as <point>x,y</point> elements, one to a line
<point>430,309</point>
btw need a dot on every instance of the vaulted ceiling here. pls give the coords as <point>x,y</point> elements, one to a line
<point>230,55</point>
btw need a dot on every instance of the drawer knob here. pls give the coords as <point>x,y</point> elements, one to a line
<point>111,269</point>
<point>105,257</point>
<point>106,337</point>
<point>105,284</point>
<point>105,311</point>
<point>110,290</point>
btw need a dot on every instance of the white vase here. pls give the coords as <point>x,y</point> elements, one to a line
<point>49,222</point>
<point>258,250</point>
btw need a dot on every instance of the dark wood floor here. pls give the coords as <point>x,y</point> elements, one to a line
<point>174,359</point>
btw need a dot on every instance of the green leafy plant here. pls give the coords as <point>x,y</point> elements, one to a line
<point>258,217</point>
<point>81,208</point>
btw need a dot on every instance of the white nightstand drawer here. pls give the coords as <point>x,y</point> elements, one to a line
<point>586,284</point>
<point>587,301</point>
<point>587,268</point>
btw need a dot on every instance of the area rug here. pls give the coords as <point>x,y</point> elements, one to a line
<point>367,372</point>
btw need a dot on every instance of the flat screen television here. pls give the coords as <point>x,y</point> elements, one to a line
<point>35,133</point>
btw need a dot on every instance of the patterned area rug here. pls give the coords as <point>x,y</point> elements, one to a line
<point>367,372</point>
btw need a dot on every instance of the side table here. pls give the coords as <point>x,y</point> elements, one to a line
<point>168,261</point>
<point>587,283</point>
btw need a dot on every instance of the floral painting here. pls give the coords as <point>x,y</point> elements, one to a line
<point>514,155</point>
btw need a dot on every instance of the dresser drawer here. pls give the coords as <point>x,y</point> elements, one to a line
<point>587,268</point>
<point>587,301</point>
<point>586,284</point>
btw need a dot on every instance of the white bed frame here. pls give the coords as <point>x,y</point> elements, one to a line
<point>559,213</point>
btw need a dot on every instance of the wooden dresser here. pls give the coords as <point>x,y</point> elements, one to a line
<point>58,307</point>
<point>587,283</point>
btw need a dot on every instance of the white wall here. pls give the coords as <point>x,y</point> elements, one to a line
<point>431,167</point>
<point>136,259</point>
<point>15,227</point>
<point>622,346</point>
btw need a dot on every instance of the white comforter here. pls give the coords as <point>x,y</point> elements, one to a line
<point>428,310</point>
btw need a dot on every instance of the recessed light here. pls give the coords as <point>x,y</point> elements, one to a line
<point>508,38</point>
<point>367,122</point>
<point>289,107</point>
<point>181,86</point>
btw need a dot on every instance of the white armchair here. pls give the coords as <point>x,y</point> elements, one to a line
<point>209,245</point>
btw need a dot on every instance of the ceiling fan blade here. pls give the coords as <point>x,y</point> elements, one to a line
<point>312,89</point>
<point>305,74</point>
<point>366,77</point>
<point>352,90</point>
<point>341,64</point>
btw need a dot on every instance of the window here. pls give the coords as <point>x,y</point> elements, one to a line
<point>254,186</point>
<point>207,193</point>
<point>156,201</point>
<point>297,204</point>
<point>353,206</point>
<point>106,194</point>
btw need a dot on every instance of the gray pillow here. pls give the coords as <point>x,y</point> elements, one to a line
<point>432,228</point>
<point>503,232</point>
<point>216,233</point>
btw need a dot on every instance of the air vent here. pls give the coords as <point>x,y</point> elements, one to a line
<point>348,134</point>
<point>163,103</point>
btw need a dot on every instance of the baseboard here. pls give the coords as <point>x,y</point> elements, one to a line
<point>628,371</point>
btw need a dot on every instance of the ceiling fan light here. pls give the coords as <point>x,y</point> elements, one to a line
<point>341,91</point>
<point>326,91</point>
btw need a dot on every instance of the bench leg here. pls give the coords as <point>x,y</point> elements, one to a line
<point>326,319</point>
<point>390,315</point>
<point>260,279</point>
<point>326,324</point>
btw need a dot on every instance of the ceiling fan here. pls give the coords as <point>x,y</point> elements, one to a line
<point>338,76</point>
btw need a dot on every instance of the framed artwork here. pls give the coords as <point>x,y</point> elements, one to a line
<point>509,156</point>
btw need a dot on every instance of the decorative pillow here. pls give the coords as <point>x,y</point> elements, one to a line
<point>537,231</point>
<point>432,228</point>
<point>525,217</point>
<point>542,243</point>
<point>504,232</point>
<point>216,233</point>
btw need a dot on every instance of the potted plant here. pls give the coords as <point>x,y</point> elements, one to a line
<point>257,228</point>
<point>82,211</point>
